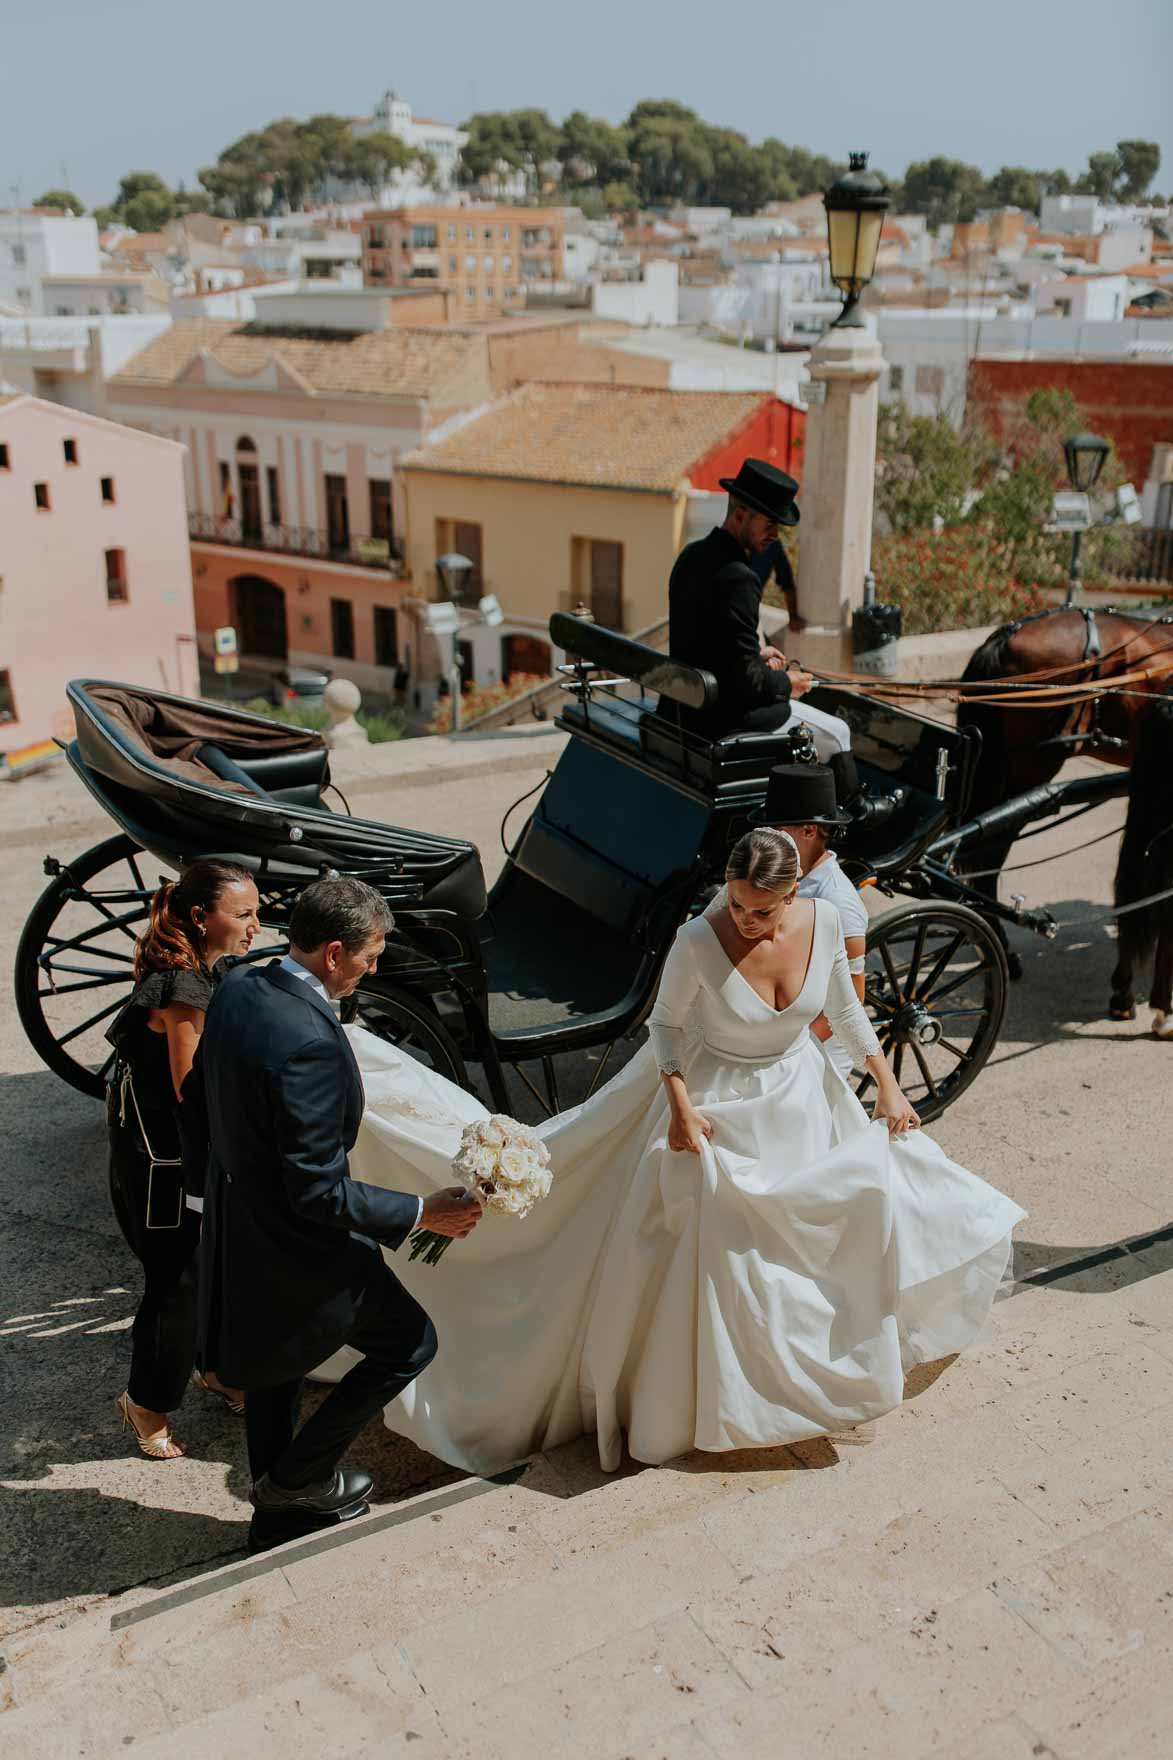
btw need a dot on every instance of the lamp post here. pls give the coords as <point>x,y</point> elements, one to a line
<point>1085,455</point>
<point>856,204</point>
<point>454,571</point>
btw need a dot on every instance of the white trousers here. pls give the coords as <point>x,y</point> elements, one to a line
<point>831,732</point>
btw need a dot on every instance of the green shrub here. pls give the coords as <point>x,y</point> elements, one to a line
<point>955,579</point>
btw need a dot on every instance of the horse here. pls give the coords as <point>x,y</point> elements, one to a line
<point>1025,744</point>
<point>1146,866</point>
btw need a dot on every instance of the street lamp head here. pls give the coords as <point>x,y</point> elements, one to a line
<point>856,204</point>
<point>1085,454</point>
<point>453,570</point>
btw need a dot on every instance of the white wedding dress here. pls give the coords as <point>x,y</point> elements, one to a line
<point>774,1287</point>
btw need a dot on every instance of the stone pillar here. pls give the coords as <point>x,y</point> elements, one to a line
<point>838,481</point>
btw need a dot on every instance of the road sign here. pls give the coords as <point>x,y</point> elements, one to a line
<point>227,662</point>
<point>224,641</point>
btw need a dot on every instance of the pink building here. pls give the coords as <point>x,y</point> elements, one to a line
<point>95,566</point>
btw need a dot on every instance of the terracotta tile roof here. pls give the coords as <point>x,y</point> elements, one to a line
<point>409,362</point>
<point>599,436</point>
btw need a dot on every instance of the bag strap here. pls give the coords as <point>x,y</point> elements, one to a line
<point>155,1160</point>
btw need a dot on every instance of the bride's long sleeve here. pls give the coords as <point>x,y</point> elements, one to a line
<point>668,1022</point>
<point>845,1011</point>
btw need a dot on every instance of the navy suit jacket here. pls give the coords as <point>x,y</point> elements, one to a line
<point>290,1247</point>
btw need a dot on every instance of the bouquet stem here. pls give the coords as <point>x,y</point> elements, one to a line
<point>428,1246</point>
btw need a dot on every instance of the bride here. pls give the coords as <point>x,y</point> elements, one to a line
<point>732,1255</point>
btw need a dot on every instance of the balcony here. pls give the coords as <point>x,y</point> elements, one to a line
<point>383,554</point>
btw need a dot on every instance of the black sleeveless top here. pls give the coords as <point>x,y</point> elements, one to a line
<point>146,1051</point>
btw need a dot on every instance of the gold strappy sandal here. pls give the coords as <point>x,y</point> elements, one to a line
<point>156,1447</point>
<point>235,1405</point>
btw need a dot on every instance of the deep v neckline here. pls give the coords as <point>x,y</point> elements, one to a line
<point>810,960</point>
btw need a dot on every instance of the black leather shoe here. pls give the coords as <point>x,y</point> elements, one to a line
<point>327,1498</point>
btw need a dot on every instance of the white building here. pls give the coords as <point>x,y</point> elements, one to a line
<point>928,351</point>
<point>393,115</point>
<point>35,244</point>
<point>1087,298</point>
<point>106,294</point>
<point>654,299</point>
<point>70,360</point>
<point>775,290</point>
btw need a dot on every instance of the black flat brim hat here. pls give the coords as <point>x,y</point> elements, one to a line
<point>766,489</point>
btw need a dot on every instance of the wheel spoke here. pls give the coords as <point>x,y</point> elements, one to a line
<point>75,942</point>
<point>963,1057</point>
<point>942,960</point>
<point>925,1070</point>
<point>917,956</point>
<point>965,977</point>
<point>886,956</point>
<point>898,1060</point>
<point>92,1022</point>
<point>957,1014</point>
<point>86,984</point>
<point>132,864</point>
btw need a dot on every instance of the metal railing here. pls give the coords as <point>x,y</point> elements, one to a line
<point>536,704</point>
<point>359,548</point>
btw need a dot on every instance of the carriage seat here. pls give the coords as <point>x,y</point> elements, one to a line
<point>638,725</point>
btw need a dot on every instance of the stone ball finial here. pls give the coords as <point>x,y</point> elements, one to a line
<point>342,698</point>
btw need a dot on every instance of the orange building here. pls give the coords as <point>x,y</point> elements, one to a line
<point>486,256</point>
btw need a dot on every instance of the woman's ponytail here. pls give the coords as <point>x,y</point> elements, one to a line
<point>169,941</point>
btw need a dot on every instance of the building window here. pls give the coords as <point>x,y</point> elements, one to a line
<point>19,255</point>
<point>225,490</point>
<point>930,381</point>
<point>108,490</point>
<point>507,235</point>
<point>380,492</point>
<point>470,265</point>
<point>896,378</point>
<point>423,238</point>
<point>490,293</point>
<point>41,496</point>
<point>470,233</point>
<point>470,293</point>
<point>273,483</point>
<point>69,447</point>
<point>452,235</point>
<point>488,235</point>
<point>117,592</point>
<point>597,573</point>
<point>375,237</point>
<point>337,515</point>
<point>342,628</point>
<point>487,265</point>
<point>386,637</point>
<point>4,461</point>
<point>507,265</point>
<point>7,700</point>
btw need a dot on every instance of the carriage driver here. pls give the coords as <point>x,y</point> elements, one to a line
<point>801,799</point>
<point>714,600</point>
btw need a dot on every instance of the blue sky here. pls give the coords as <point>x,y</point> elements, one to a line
<point>92,90</point>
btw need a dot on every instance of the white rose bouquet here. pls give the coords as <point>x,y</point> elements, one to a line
<point>505,1164</point>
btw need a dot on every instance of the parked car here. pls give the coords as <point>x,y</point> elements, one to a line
<point>303,685</point>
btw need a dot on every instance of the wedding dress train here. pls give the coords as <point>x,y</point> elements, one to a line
<point>774,1287</point>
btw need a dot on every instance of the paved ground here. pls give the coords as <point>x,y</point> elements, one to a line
<point>987,1573</point>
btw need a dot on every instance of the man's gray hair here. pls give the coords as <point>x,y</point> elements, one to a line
<point>343,910</point>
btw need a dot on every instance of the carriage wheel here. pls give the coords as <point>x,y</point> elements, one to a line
<point>75,962</point>
<point>399,1018</point>
<point>936,985</point>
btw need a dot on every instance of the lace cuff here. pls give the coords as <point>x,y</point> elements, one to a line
<point>668,1049</point>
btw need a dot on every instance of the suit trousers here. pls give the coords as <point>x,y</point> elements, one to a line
<point>397,1341</point>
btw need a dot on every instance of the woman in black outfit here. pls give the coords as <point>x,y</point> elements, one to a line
<point>209,912</point>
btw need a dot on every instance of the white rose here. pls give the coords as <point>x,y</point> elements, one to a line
<point>492,1131</point>
<point>484,1161</point>
<point>512,1164</point>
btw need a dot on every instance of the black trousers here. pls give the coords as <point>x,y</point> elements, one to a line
<point>397,1341</point>
<point>163,1337</point>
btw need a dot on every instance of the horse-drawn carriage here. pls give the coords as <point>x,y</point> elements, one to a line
<point>628,838</point>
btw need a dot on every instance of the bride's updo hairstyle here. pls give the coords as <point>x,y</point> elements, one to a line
<point>765,859</point>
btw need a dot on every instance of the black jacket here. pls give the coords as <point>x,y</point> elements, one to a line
<point>290,1244</point>
<point>713,602</point>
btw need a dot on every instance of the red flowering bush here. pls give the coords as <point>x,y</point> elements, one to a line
<point>479,699</point>
<point>954,579</point>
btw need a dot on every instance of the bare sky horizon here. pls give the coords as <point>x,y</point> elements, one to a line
<point>92,92</point>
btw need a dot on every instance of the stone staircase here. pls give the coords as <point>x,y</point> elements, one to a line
<point>986,1572</point>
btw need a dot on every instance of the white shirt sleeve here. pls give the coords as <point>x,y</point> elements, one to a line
<point>844,1010</point>
<point>667,1023</point>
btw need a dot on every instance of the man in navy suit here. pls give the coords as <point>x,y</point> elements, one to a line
<point>291,1261</point>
